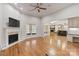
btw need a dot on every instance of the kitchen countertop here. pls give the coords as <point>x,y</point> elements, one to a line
<point>74,35</point>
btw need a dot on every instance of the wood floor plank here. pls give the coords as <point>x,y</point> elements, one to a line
<point>41,46</point>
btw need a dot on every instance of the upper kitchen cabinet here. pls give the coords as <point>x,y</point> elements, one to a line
<point>73,22</point>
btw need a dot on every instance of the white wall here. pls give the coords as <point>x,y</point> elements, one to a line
<point>63,14</point>
<point>1,15</point>
<point>30,20</point>
<point>7,11</point>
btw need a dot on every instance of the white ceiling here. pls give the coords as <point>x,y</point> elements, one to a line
<point>26,8</point>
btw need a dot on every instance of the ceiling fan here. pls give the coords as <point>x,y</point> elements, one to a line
<point>38,7</point>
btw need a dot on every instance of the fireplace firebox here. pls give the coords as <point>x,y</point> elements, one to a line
<point>13,38</point>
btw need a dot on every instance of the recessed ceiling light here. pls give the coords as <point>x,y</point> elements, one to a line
<point>52,22</point>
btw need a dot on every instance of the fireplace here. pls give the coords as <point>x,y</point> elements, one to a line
<point>12,38</point>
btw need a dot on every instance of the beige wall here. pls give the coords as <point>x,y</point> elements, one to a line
<point>73,22</point>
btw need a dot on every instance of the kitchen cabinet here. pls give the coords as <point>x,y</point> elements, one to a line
<point>73,22</point>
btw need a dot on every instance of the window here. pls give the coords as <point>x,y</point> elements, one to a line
<point>31,29</point>
<point>28,30</point>
<point>46,29</point>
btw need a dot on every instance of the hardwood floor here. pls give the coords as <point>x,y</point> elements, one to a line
<point>49,45</point>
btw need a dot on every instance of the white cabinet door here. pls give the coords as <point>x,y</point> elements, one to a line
<point>73,22</point>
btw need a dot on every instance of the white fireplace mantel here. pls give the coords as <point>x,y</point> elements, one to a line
<point>10,31</point>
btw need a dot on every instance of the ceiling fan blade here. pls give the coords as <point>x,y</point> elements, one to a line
<point>38,10</point>
<point>43,8</point>
<point>33,9</point>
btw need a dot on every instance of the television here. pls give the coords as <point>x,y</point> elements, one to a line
<point>13,22</point>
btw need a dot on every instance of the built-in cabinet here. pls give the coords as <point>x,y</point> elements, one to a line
<point>73,22</point>
<point>73,32</point>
